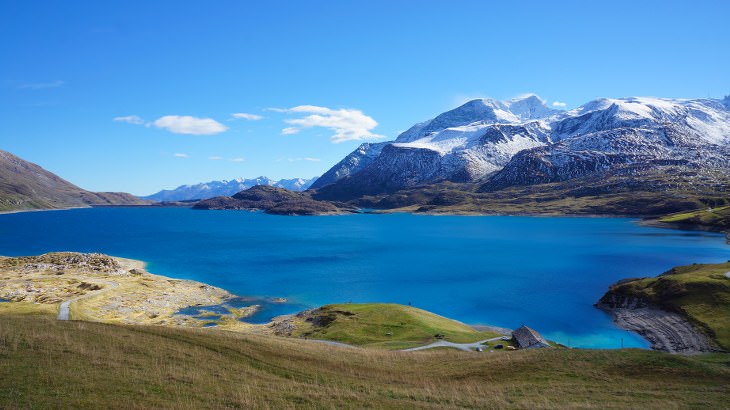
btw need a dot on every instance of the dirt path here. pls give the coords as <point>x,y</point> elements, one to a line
<point>467,347</point>
<point>64,311</point>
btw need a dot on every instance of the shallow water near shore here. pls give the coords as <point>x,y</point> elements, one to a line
<point>503,271</point>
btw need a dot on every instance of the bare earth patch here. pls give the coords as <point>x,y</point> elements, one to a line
<point>108,289</point>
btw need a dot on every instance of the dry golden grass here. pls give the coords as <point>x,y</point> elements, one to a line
<point>45,363</point>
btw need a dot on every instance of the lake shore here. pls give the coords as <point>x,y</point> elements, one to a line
<point>108,289</point>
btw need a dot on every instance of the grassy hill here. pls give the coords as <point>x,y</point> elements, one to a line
<point>388,326</point>
<point>701,292</point>
<point>45,363</point>
<point>710,218</point>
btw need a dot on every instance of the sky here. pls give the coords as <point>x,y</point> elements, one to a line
<point>137,96</point>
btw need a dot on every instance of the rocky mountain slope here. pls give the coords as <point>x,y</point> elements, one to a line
<point>212,189</point>
<point>24,185</point>
<point>523,142</point>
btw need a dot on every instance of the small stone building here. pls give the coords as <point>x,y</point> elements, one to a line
<point>526,338</point>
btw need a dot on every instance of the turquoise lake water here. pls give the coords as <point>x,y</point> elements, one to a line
<point>505,271</point>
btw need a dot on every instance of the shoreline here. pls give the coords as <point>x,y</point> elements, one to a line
<point>623,320</point>
<point>21,211</point>
<point>666,331</point>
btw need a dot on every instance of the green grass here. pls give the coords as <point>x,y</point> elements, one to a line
<point>717,218</point>
<point>700,291</point>
<point>45,363</point>
<point>388,326</point>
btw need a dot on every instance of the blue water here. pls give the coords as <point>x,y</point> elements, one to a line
<point>505,271</point>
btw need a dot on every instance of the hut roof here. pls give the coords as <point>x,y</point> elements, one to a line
<point>528,338</point>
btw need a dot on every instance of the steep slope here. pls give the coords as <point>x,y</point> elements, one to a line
<point>523,142</point>
<point>24,185</point>
<point>212,189</point>
<point>353,163</point>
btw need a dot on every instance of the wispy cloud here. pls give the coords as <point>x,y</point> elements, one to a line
<point>131,119</point>
<point>347,124</point>
<point>215,158</point>
<point>185,124</point>
<point>237,159</point>
<point>180,155</point>
<point>247,116</point>
<point>40,86</point>
<point>559,104</point>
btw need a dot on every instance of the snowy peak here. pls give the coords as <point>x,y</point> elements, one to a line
<point>529,107</point>
<point>521,137</point>
<point>484,111</point>
<point>224,187</point>
<point>704,119</point>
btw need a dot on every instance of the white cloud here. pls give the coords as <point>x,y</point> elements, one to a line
<point>39,86</point>
<point>215,158</point>
<point>559,104</point>
<point>237,159</point>
<point>247,116</point>
<point>303,159</point>
<point>180,155</point>
<point>185,124</point>
<point>347,124</point>
<point>131,119</point>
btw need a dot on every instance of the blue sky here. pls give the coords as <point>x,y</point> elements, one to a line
<point>173,73</point>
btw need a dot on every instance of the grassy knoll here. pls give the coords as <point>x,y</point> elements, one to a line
<point>700,291</point>
<point>383,325</point>
<point>45,363</point>
<point>711,218</point>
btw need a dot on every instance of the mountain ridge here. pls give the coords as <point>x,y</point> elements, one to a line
<point>27,186</point>
<point>211,189</point>
<point>484,142</point>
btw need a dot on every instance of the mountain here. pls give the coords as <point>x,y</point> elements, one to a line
<point>212,189</point>
<point>24,185</point>
<point>520,142</point>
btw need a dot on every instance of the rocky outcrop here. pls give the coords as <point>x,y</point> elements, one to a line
<point>666,331</point>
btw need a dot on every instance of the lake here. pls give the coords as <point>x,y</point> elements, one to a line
<point>504,271</point>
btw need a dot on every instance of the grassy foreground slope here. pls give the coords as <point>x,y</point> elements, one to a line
<point>701,292</point>
<point>45,363</point>
<point>383,325</point>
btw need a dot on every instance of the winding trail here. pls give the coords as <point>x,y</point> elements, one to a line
<point>64,311</point>
<point>467,347</point>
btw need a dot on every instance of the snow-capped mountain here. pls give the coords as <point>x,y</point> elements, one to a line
<point>522,141</point>
<point>460,139</point>
<point>212,189</point>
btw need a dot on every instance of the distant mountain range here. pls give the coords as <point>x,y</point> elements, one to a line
<point>26,186</point>
<point>213,189</point>
<point>522,142</point>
